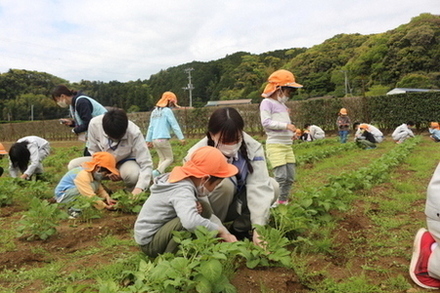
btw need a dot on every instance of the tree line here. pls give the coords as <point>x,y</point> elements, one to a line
<point>345,65</point>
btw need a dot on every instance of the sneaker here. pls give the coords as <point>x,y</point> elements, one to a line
<point>418,268</point>
<point>155,173</point>
<point>73,214</point>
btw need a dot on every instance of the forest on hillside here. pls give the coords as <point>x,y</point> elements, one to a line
<point>345,65</point>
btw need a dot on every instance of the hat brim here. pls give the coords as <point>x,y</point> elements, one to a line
<point>180,173</point>
<point>89,166</point>
<point>2,152</point>
<point>293,85</point>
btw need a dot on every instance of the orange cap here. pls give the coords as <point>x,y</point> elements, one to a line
<point>364,126</point>
<point>2,150</point>
<point>278,79</point>
<point>167,97</point>
<point>103,159</point>
<point>204,161</point>
<point>343,111</point>
<point>434,125</point>
<point>298,131</point>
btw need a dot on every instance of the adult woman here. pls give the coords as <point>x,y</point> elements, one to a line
<point>82,110</point>
<point>26,155</point>
<point>246,197</point>
<point>162,120</point>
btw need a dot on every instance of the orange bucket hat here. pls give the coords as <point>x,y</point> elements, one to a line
<point>103,159</point>
<point>2,150</point>
<point>204,161</point>
<point>279,78</point>
<point>298,131</point>
<point>343,111</point>
<point>167,97</point>
<point>435,125</point>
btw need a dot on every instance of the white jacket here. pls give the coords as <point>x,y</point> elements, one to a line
<point>259,190</point>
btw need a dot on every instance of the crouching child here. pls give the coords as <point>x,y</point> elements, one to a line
<point>86,181</point>
<point>175,201</point>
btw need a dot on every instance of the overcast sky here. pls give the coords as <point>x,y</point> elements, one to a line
<point>132,39</point>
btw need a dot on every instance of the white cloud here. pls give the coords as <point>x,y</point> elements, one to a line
<point>132,39</point>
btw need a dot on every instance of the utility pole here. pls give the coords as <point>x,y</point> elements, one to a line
<point>190,86</point>
<point>347,84</point>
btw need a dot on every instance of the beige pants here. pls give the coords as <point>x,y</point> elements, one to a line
<point>166,158</point>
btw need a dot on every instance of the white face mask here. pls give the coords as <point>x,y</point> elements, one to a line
<point>202,190</point>
<point>62,104</point>
<point>98,176</point>
<point>283,99</point>
<point>229,150</point>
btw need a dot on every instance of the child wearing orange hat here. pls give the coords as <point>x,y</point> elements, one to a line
<point>279,129</point>
<point>343,122</point>
<point>434,130</point>
<point>172,205</point>
<point>162,121</point>
<point>86,181</point>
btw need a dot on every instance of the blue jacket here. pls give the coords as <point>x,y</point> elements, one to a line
<point>162,121</point>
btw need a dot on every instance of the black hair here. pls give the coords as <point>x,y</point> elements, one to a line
<point>115,123</point>
<point>62,90</point>
<point>19,155</point>
<point>411,123</point>
<point>356,124</point>
<point>229,123</point>
<point>307,125</point>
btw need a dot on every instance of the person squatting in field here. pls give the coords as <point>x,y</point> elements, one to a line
<point>86,181</point>
<point>434,130</point>
<point>403,132</point>
<point>114,133</point>
<point>367,135</point>
<point>178,202</point>
<point>315,132</point>
<point>26,156</point>
<point>82,109</point>
<point>279,130</point>
<point>245,198</point>
<point>162,120</point>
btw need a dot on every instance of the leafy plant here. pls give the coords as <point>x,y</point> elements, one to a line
<point>40,221</point>
<point>86,205</point>
<point>128,203</point>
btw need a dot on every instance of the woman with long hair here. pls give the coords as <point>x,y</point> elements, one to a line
<point>246,198</point>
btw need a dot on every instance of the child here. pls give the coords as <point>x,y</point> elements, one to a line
<point>162,120</point>
<point>86,181</point>
<point>403,132</point>
<point>343,122</point>
<point>306,136</point>
<point>434,130</point>
<point>279,129</point>
<point>3,152</point>
<point>425,262</point>
<point>316,132</point>
<point>29,149</point>
<point>363,137</point>
<point>298,134</point>
<point>172,205</point>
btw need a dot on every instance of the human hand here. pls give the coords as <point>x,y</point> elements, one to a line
<point>149,144</point>
<point>199,207</point>
<point>24,176</point>
<point>257,240</point>
<point>137,191</point>
<point>226,236</point>
<point>291,127</point>
<point>114,177</point>
<point>67,122</point>
<point>182,142</point>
